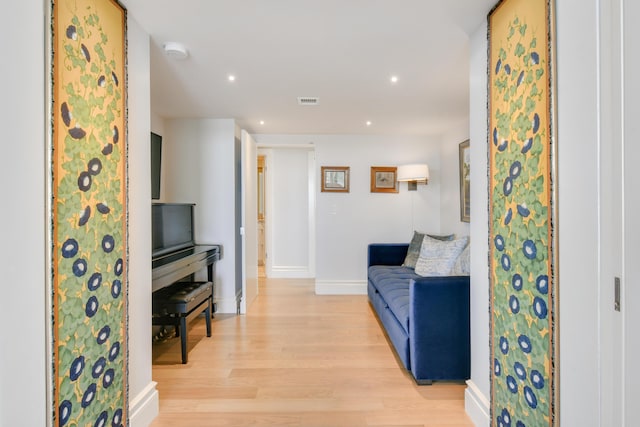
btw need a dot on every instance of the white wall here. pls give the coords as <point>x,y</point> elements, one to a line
<point>347,222</point>
<point>577,72</point>
<point>23,377</point>
<point>479,390</point>
<point>143,396</point>
<point>200,169</point>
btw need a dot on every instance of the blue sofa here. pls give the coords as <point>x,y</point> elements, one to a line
<point>425,318</point>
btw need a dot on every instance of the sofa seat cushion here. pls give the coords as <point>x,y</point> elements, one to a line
<point>392,283</point>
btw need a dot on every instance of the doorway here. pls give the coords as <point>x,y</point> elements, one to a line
<point>261,218</point>
<point>286,194</point>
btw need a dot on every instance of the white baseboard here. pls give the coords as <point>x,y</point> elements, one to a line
<point>476,404</point>
<point>341,287</point>
<point>226,306</point>
<point>144,407</point>
<point>289,272</point>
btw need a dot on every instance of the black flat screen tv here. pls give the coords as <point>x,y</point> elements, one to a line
<point>156,165</point>
<point>171,227</point>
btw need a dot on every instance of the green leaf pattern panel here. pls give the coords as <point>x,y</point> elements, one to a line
<point>89,217</point>
<point>520,220</point>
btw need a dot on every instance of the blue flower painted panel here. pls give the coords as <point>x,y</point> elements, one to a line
<point>89,213</point>
<point>521,177</point>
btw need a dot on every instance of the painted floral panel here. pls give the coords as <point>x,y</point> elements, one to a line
<point>521,224</point>
<point>89,213</point>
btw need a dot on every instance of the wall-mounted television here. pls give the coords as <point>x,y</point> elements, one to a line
<point>156,165</point>
<point>171,227</point>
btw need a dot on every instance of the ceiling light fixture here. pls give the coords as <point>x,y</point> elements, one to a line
<point>262,122</point>
<point>175,50</point>
<point>394,79</point>
<point>369,123</point>
<point>231,78</point>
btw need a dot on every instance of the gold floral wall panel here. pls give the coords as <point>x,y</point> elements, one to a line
<point>523,279</point>
<point>88,213</point>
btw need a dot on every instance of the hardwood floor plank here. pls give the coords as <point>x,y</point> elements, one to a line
<point>296,359</point>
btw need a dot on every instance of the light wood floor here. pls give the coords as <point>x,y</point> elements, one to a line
<point>296,359</point>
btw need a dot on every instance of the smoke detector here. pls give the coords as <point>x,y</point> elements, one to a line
<point>308,100</point>
<point>176,50</point>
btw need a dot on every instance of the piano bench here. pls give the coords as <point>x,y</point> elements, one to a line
<point>180,302</point>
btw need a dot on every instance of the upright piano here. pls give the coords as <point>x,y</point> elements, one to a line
<point>175,255</point>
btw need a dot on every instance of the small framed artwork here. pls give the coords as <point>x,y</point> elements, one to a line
<point>384,179</point>
<point>465,181</point>
<point>335,179</point>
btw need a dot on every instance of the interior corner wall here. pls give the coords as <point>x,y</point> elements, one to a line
<point>450,178</point>
<point>478,392</point>
<point>23,359</point>
<point>201,171</point>
<point>143,396</point>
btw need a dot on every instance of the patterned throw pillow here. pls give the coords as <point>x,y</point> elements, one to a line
<point>437,257</point>
<point>416,243</point>
<point>462,266</point>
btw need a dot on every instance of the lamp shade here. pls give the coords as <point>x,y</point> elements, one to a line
<point>416,172</point>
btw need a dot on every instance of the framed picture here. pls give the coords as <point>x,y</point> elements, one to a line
<point>465,181</point>
<point>523,226</point>
<point>384,179</point>
<point>335,179</point>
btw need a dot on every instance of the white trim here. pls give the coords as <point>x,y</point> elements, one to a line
<point>341,287</point>
<point>476,405</point>
<point>311,163</point>
<point>226,305</point>
<point>145,406</point>
<point>291,272</point>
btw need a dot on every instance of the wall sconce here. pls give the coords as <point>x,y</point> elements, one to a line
<point>413,174</point>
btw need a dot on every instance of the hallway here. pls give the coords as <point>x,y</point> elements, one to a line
<point>296,359</point>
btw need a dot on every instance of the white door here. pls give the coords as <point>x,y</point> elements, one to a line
<point>631,200</point>
<point>611,218</point>
<point>290,211</point>
<point>249,221</point>
<point>619,375</point>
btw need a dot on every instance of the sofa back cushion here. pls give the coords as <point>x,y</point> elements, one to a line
<point>416,243</point>
<point>438,257</point>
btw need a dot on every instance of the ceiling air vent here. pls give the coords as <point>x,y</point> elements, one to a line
<point>308,100</point>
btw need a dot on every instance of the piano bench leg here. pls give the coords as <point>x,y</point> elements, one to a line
<point>177,328</point>
<point>183,339</point>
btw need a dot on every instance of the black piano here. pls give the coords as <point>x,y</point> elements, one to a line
<point>175,256</point>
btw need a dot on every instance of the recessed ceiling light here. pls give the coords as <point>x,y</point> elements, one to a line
<point>369,123</point>
<point>262,122</point>
<point>231,78</point>
<point>394,79</point>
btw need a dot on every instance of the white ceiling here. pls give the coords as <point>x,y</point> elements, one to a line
<point>342,51</point>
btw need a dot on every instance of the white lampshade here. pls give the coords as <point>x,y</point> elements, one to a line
<point>416,172</point>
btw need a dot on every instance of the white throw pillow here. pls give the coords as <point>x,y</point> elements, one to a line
<point>462,266</point>
<point>437,257</point>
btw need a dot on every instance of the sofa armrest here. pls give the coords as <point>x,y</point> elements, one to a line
<point>439,328</point>
<point>387,253</point>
